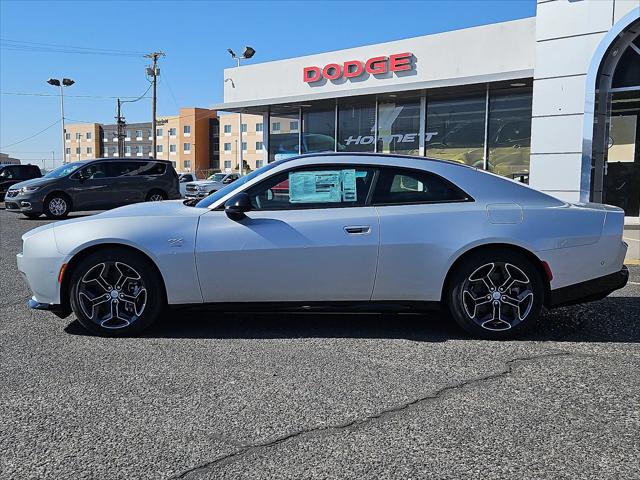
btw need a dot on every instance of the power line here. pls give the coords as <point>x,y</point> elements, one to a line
<point>24,46</point>
<point>29,138</point>
<point>37,94</point>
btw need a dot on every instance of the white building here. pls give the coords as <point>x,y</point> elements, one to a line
<point>553,100</point>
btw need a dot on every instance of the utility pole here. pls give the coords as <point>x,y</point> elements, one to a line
<point>153,72</point>
<point>120,125</point>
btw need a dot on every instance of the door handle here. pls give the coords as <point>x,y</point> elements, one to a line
<point>357,229</point>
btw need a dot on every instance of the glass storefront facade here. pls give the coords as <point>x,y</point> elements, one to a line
<point>486,127</point>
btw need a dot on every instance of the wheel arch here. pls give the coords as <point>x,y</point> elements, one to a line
<point>78,256</point>
<point>532,257</point>
<point>164,194</point>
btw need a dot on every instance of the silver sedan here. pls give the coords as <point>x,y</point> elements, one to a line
<point>334,231</point>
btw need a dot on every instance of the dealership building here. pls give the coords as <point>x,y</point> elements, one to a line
<point>552,100</point>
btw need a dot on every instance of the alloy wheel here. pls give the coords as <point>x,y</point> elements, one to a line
<point>112,294</point>
<point>58,206</point>
<point>497,296</point>
<point>156,197</point>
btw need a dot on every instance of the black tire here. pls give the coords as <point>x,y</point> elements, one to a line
<point>116,308</point>
<point>156,196</point>
<point>495,314</point>
<point>32,216</point>
<point>57,205</point>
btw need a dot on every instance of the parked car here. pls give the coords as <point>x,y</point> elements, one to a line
<point>183,180</point>
<point>372,231</point>
<point>12,174</point>
<point>93,185</point>
<point>203,188</point>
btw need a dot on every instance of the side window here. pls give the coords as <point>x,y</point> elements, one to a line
<point>34,172</point>
<point>122,169</point>
<point>397,186</point>
<point>94,171</point>
<point>319,187</point>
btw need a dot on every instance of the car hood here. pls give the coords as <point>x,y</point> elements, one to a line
<point>207,183</point>
<point>33,182</point>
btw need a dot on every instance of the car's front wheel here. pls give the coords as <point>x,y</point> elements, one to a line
<point>116,293</point>
<point>495,294</point>
<point>57,206</point>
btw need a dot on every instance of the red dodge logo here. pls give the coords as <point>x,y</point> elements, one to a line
<point>354,68</point>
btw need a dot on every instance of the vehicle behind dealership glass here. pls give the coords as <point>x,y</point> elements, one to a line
<point>12,174</point>
<point>93,185</point>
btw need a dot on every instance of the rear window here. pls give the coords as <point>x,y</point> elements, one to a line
<point>398,186</point>
<point>129,169</point>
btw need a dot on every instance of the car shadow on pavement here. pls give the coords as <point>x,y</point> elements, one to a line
<point>614,319</point>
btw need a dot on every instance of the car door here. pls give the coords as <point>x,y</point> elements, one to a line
<point>423,216</point>
<point>315,242</point>
<point>91,187</point>
<point>129,185</point>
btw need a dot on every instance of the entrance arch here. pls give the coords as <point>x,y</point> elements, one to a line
<point>611,141</point>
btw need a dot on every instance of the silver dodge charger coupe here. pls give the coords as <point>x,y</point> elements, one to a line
<point>334,231</point>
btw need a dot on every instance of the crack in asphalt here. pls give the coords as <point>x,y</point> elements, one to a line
<point>353,424</point>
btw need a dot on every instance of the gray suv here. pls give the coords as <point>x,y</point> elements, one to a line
<point>93,185</point>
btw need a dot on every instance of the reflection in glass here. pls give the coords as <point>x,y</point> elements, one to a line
<point>318,128</point>
<point>509,134</point>
<point>283,142</point>
<point>399,125</point>
<point>455,129</point>
<point>356,125</point>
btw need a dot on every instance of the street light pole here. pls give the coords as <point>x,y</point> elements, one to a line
<point>248,53</point>
<point>66,82</point>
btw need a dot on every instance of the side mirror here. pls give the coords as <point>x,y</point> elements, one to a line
<point>237,206</point>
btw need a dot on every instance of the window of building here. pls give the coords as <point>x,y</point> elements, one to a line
<point>227,129</point>
<point>259,163</point>
<point>139,150</point>
<point>244,146</point>
<point>318,128</point>
<point>509,133</point>
<point>259,146</point>
<point>128,135</point>
<point>127,150</point>
<point>293,125</point>
<point>259,127</point>
<point>67,151</point>
<point>227,164</point>
<point>78,135</point>
<point>172,132</point>
<point>89,150</point>
<point>88,135</point>
<point>186,130</point>
<point>159,132</point>
<point>398,186</point>
<point>77,150</point>
<point>243,127</point>
<point>186,147</point>
<point>187,164</point>
<point>159,148</point>
<point>172,148</point>
<point>455,128</point>
<point>67,136</point>
<point>282,144</point>
<point>399,125</point>
<point>138,134</point>
<point>356,126</point>
<point>227,147</point>
<point>341,187</point>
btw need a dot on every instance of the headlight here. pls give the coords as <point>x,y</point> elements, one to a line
<point>28,189</point>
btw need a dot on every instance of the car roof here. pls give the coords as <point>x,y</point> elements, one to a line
<point>375,155</point>
<point>128,159</point>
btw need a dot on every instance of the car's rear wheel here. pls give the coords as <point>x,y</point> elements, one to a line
<point>32,216</point>
<point>57,206</point>
<point>156,196</point>
<point>116,293</point>
<point>495,294</point>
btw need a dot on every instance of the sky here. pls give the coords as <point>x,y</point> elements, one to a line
<point>194,35</point>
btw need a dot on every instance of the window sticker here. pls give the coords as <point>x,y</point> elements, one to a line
<point>328,186</point>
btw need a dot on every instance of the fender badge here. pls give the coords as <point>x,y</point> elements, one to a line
<point>175,242</point>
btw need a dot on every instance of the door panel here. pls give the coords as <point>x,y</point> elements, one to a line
<point>92,188</point>
<point>288,255</point>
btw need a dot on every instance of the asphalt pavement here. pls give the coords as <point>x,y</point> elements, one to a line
<point>311,396</point>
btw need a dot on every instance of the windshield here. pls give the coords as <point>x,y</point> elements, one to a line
<point>217,177</point>
<point>64,170</point>
<point>215,196</point>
